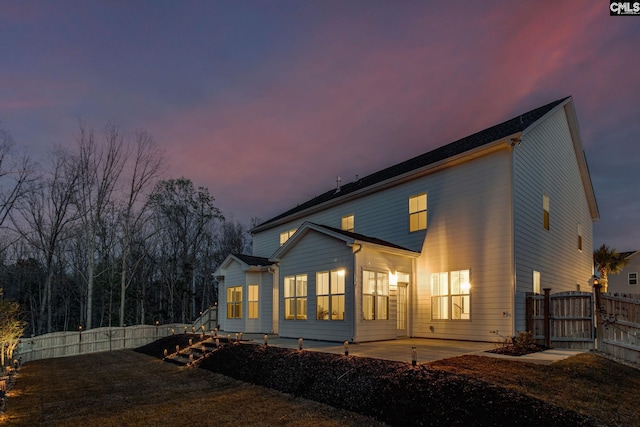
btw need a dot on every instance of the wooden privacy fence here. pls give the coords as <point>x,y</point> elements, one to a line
<point>73,343</point>
<point>562,320</point>
<point>618,320</point>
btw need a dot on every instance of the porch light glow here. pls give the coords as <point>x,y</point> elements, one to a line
<point>393,281</point>
<point>340,272</point>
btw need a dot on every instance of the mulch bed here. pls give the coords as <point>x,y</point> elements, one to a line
<point>394,392</point>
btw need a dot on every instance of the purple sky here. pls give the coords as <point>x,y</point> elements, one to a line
<point>267,102</point>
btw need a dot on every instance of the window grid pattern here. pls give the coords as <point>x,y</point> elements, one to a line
<point>330,292</point>
<point>234,302</point>
<point>418,212</point>
<point>295,297</point>
<point>450,295</point>
<point>375,295</point>
<point>252,300</point>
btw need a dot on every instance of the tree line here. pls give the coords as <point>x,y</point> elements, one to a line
<point>94,235</point>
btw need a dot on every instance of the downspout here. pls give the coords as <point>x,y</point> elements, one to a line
<point>512,242</point>
<point>355,314</point>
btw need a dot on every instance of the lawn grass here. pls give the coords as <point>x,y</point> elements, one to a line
<point>587,383</point>
<point>125,388</point>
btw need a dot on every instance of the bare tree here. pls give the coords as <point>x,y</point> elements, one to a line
<point>99,169</point>
<point>42,218</point>
<point>184,215</point>
<point>147,163</point>
<point>15,173</point>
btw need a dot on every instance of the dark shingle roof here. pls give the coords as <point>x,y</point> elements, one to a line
<point>252,260</point>
<point>362,237</point>
<point>478,139</point>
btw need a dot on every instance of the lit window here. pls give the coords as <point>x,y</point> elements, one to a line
<point>234,302</point>
<point>284,236</point>
<point>536,282</point>
<point>347,223</point>
<point>450,296</point>
<point>375,295</point>
<point>545,209</point>
<point>295,297</point>
<point>252,300</point>
<point>580,237</point>
<point>330,295</point>
<point>418,212</point>
<point>633,278</point>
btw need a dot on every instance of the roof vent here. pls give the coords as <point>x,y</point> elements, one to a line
<point>338,181</point>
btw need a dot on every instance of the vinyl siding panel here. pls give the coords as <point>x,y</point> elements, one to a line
<point>374,260</point>
<point>234,275</point>
<point>317,252</point>
<point>469,229</point>
<point>619,283</point>
<point>263,323</point>
<point>545,163</point>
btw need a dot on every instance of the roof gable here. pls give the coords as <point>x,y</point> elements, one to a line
<point>246,262</point>
<point>347,237</point>
<point>510,127</point>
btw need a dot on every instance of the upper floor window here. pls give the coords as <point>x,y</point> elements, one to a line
<point>418,212</point>
<point>545,211</point>
<point>450,295</point>
<point>284,236</point>
<point>252,300</point>
<point>375,295</point>
<point>633,278</point>
<point>295,297</point>
<point>347,223</point>
<point>234,302</point>
<point>580,237</point>
<point>330,295</point>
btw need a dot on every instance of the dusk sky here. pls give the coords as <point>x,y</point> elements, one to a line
<point>266,102</point>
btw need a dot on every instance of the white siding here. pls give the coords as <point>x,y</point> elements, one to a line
<point>263,324</point>
<point>545,163</point>
<point>619,283</point>
<point>373,260</point>
<point>313,253</point>
<point>469,228</point>
<point>233,276</point>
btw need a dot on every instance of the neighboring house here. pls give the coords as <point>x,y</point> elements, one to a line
<point>626,282</point>
<point>444,245</point>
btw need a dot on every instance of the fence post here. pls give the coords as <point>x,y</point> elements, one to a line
<point>547,317</point>
<point>597,288</point>
<point>529,312</point>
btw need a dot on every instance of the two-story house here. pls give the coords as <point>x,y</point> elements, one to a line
<point>626,282</point>
<point>443,245</point>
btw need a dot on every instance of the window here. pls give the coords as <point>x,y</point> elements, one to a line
<point>252,300</point>
<point>375,295</point>
<point>330,295</point>
<point>234,302</point>
<point>545,209</point>
<point>580,237</point>
<point>450,296</point>
<point>418,212</point>
<point>536,282</point>
<point>286,235</point>
<point>295,297</point>
<point>633,278</point>
<point>347,223</point>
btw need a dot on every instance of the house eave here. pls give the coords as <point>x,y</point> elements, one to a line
<point>499,144</point>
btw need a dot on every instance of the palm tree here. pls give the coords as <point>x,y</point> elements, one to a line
<point>608,261</point>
